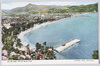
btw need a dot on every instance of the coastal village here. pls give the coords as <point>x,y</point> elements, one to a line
<point>15,26</point>
<point>27,18</point>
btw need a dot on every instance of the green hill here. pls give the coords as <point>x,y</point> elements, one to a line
<point>80,8</point>
<point>3,13</point>
<point>31,8</point>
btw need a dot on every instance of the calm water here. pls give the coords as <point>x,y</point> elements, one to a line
<point>55,34</point>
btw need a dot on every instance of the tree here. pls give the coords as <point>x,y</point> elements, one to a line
<point>38,46</point>
<point>95,54</point>
<point>44,43</point>
<point>38,58</point>
<point>18,40</point>
<point>16,50</point>
<point>28,48</point>
<point>19,44</point>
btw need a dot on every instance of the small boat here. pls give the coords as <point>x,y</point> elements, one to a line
<point>63,44</point>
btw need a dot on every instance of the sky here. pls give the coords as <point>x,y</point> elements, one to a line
<point>11,5</point>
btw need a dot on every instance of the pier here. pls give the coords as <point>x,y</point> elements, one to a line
<point>66,45</point>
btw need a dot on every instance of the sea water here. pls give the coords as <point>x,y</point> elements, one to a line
<point>83,27</point>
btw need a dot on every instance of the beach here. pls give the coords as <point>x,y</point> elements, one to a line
<point>36,26</point>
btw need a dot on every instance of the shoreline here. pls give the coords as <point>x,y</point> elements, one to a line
<point>36,26</point>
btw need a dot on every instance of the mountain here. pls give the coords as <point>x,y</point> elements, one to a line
<point>5,10</point>
<point>31,7</point>
<point>78,8</point>
<point>3,13</point>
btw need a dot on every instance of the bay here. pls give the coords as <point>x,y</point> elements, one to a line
<point>83,27</point>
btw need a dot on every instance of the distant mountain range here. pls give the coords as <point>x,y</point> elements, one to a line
<point>32,7</point>
<point>5,10</point>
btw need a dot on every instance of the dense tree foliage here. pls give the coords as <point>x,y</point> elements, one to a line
<point>9,39</point>
<point>50,54</point>
<point>95,54</point>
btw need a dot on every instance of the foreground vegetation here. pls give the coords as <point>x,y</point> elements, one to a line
<point>95,54</point>
<point>9,39</point>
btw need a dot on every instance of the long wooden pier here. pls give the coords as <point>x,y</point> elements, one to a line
<point>66,45</point>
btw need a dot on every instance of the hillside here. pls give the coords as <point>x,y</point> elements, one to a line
<point>30,8</point>
<point>3,13</point>
<point>80,8</point>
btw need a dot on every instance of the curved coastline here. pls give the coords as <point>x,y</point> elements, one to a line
<point>36,26</point>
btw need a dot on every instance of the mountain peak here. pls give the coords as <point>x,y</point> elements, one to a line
<point>30,4</point>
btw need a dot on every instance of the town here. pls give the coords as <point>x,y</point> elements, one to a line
<point>13,24</point>
<point>24,18</point>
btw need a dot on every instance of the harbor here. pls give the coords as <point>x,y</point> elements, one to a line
<point>62,31</point>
